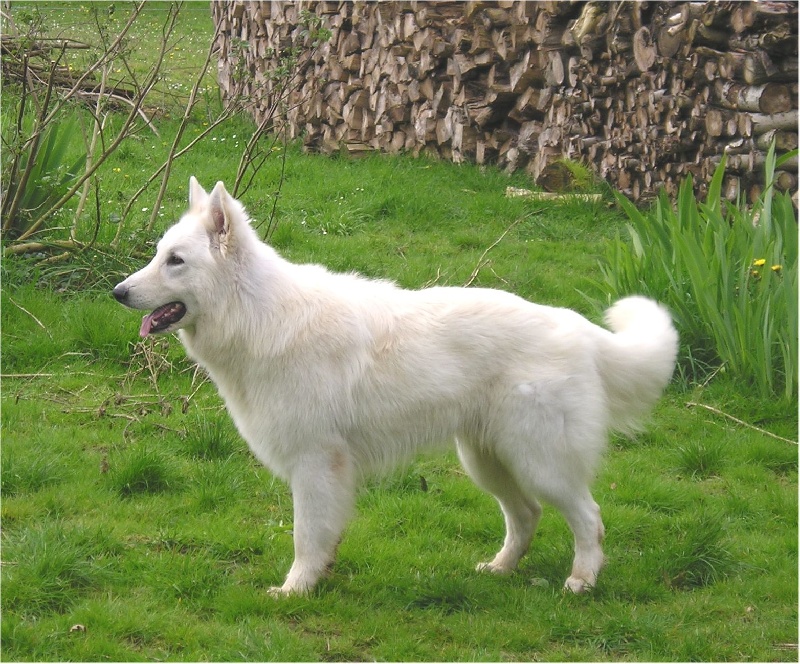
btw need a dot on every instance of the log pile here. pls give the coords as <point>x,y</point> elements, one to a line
<point>23,59</point>
<point>642,92</point>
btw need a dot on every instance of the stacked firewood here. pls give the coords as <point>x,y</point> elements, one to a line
<point>644,93</point>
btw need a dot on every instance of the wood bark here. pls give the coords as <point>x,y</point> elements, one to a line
<point>644,93</point>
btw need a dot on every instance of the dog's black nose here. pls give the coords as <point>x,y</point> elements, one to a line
<point>120,292</point>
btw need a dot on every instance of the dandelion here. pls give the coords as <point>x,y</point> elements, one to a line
<point>759,262</point>
<point>777,268</point>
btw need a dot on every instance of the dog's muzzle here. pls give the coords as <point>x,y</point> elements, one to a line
<point>159,320</point>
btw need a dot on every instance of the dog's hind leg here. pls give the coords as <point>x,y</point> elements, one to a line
<point>521,512</point>
<point>517,489</point>
<point>567,491</point>
<point>323,492</point>
<point>583,516</point>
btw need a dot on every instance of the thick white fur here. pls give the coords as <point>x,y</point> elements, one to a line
<point>330,377</point>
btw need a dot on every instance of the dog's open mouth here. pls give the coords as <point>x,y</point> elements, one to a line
<point>160,319</point>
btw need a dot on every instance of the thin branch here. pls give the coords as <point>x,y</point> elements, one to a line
<point>41,126</point>
<point>38,322</point>
<point>272,223</point>
<point>17,150</point>
<point>31,247</point>
<point>181,128</point>
<point>97,130</point>
<point>716,411</point>
<point>222,118</point>
<point>107,55</point>
<point>481,262</point>
<point>123,133</point>
<point>122,100</point>
<point>279,91</point>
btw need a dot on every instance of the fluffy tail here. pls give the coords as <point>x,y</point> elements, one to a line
<point>637,361</point>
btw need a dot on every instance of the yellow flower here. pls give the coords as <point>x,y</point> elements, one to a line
<point>759,262</point>
<point>777,268</point>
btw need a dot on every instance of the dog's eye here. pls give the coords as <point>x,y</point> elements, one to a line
<point>174,259</point>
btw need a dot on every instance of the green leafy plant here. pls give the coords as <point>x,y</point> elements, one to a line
<point>37,183</point>
<point>729,275</point>
<point>44,173</point>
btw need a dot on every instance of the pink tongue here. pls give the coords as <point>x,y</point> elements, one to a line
<point>147,323</point>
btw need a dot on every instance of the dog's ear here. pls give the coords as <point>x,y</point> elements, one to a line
<point>221,214</point>
<point>197,195</point>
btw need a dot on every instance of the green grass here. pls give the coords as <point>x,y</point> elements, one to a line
<point>163,534</point>
<point>131,507</point>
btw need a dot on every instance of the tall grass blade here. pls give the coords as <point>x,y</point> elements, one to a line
<point>728,273</point>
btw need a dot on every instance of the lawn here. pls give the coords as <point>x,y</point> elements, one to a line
<point>137,526</point>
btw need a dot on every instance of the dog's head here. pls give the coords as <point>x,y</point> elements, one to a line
<point>193,260</point>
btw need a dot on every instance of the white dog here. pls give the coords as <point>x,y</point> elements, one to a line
<point>329,377</point>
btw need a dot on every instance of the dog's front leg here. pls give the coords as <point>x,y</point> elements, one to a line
<point>323,491</point>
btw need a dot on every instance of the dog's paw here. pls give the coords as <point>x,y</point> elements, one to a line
<point>279,592</point>
<point>493,568</point>
<point>577,585</point>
